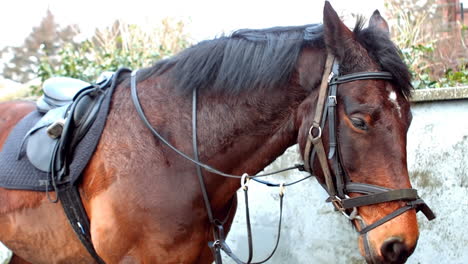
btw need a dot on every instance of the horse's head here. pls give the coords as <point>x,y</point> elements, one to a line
<point>369,125</point>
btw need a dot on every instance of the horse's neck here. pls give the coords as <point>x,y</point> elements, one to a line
<point>236,134</point>
<point>244,133</point>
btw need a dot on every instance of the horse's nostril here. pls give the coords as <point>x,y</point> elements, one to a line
<point>394,251</point>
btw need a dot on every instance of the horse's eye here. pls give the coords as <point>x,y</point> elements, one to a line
<point>359,123</point>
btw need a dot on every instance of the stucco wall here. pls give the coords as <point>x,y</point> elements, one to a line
<point>313,233</point>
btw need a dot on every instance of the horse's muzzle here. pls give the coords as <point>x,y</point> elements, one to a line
<point>395,251</point>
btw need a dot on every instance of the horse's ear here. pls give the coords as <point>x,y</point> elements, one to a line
<point>377,21</point>
<point>337,35</point>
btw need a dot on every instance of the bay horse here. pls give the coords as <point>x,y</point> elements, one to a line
<point>257,95</point>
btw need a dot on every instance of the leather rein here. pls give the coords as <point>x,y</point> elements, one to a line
<point>219,242</point>
<point>337,187</point>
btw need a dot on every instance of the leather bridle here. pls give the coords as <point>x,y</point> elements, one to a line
<point>337,183</point>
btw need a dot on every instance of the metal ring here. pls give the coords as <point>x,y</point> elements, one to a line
<point>353,215</point>
<point>216,243</point>
<point>319,132</point>
<point>245,181</point>
<point>338,203</point>
<point>282,189</point>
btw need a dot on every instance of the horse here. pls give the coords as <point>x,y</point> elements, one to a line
<point>258,92</point>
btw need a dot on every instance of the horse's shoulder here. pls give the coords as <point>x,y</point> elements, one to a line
<point>16,200</point>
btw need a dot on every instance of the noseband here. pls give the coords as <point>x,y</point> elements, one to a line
<point>339,185</point>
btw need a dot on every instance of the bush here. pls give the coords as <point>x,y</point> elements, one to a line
<point>433,47</point>
<point>121,45</point>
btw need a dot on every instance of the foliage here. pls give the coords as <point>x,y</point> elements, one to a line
<point>433,48</point>
<point>44,40</point>
<point>121,45</point>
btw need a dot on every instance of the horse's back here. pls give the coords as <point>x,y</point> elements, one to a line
<point>10,114</point>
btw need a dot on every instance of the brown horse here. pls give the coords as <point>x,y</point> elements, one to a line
<point>257,95</point>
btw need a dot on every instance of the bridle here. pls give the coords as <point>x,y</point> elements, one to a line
<point>338,185</point>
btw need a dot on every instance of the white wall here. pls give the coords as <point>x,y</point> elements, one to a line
<point>5,254</point>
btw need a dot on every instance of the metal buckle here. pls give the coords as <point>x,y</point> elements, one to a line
<point>332,99</point>
<point>55,129</point>
<point>216,244</point>
<point>311,135</point>
<point>282,189</point>
<point>330,77</point>
<point>338,204</point>
<point>245,181</point>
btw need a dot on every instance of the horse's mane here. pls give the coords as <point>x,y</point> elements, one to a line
<point>265,59</point>
<point>383,51</point>
<point>248,59</point>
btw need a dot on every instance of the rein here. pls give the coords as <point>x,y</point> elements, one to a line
<point>337,187</point>
<point>219,242</point>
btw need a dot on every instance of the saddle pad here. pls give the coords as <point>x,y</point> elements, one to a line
<point>20,174</point>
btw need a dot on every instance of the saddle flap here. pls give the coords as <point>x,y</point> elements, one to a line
<point>40,146</point>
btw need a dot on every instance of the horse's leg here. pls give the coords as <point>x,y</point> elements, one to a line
<point>17,260</point>
<point>37,230</point>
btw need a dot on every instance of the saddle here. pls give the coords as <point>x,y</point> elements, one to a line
<point>70,107</point>
<point>59,140</point>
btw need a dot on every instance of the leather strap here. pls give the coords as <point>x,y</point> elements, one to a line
<point>144,119</point>
<point>315,137</point>
<point>323,89</point>
<point>318,110</point>
<point>387,196</point>
<point>68,193</point>
<point>361,76</point>
<point>410,205</point>
<point>219,242</point>
<point>77,217</point>
<point>333,153</point>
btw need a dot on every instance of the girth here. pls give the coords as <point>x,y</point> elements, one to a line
<point>338,184</point>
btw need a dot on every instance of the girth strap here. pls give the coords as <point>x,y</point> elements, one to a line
<point>68,192</point>
<point>71,202</point>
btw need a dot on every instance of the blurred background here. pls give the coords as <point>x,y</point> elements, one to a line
<point>44,38</point>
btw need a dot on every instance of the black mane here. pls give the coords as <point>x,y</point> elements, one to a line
<point>248,59</point>
<point>383,51</point>
<point>265,59</point>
